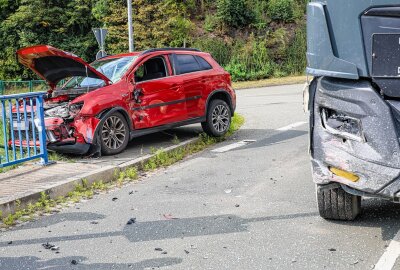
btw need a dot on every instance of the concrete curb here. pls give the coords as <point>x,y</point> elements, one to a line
<point>105,174</point>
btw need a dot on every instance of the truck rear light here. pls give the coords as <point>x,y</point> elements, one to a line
<point>342,125</point>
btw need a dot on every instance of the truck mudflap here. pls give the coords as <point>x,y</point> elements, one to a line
<point>355,132</point>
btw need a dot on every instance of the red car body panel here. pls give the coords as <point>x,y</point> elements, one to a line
<point>163,101</point>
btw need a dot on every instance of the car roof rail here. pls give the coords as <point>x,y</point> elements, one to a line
<point>170,49</point>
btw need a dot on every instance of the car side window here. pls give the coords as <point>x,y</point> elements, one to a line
<point>154,68</point>
<point>187,63</point>
<point>203,63</point>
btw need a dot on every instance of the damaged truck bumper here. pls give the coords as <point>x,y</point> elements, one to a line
<point>354,137</point>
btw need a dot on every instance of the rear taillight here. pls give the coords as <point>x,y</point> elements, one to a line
<point>228,78</point>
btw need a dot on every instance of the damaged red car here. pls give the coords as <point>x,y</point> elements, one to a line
<point>105,104</point>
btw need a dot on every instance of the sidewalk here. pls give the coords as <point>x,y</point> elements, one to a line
<point>25,183</point>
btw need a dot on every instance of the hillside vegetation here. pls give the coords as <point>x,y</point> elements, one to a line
<point>252,39</point>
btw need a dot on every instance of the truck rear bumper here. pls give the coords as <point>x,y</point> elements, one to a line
<point>354,129</point>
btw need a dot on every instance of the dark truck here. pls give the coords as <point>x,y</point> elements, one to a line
<point>354,103</point>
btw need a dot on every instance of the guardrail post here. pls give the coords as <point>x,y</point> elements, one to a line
<point>42,131</point>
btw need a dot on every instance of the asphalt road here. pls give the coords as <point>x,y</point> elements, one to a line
<point>251,207</point>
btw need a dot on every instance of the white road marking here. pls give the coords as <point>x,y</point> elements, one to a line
<point>291,126</point>
<point>389,257</point>
<point>232,146</point>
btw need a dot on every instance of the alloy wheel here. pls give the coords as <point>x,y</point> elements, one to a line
<point>220,118</point>
<point>113,132</point>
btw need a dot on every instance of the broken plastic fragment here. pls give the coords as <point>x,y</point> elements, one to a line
<point>131,221</point>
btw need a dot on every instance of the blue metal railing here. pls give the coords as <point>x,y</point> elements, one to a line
<point>23,127</point>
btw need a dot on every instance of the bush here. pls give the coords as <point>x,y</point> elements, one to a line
<point>218,48</point>
<point>210,23</point>
<point>234,12</point>
<point>250,61</point>
<point>296,54</point>
<point>282,10</point>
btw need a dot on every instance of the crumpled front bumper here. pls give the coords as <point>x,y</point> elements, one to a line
<point>375,159</point>
<point>73,148</point>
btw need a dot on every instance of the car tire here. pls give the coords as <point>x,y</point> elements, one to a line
<point>218,118</point>
<point>336,204</point>
<point>114,134</point>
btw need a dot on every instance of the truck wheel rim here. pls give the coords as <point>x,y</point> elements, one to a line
<point>220,118</point>
<point>113,132</point>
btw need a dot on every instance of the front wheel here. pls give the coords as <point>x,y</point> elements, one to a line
<point>337,204</point>
<point>218,118</point>
<point>114,134</point>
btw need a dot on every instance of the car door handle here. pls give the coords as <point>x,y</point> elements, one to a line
<point>175,86</point>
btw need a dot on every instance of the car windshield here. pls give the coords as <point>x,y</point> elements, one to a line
<point>111,68</point>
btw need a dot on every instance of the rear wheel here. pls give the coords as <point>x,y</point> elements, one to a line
<point>336,204</point>
<point>114,134</point>
<point>218,119</point>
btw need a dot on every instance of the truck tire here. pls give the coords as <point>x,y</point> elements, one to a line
<point>336,204</point>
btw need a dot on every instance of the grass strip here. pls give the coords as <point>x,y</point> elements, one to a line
<point>269,82</point>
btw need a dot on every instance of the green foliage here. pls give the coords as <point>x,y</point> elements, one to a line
<point>282,10</point>
<point>234,13</point>
<point>128,174</point>
<point>64,24</point>
<point>210,23</point>
<point>218,48</point>
<point>251,38</point>
<point>296,54</point>
<point>251,61</point>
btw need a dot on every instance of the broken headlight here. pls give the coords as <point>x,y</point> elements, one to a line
<point>75,108</point>
<point>342,125</point>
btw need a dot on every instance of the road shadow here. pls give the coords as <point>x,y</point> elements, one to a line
<point>169,229</point>
<point>30,263</point>
<point>61,217</point>
<point>274,138</point>
<point>378,213</point>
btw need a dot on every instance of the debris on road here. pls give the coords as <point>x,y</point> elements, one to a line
<point>131,221</point>
<point>332,249</point>
<point>114,199</point>
<point>237,205</point>
<point>10,242</point>
<point>169,217</point>
<point>131,192</point>
<point>74,262</point>
<point>187,252</point>
<point>164,252</point>
<point>50,246</point>
<point>158,249</point>
<point>94,222</point>
<point>227,191</point>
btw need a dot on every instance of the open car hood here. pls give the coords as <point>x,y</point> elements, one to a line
<point>53,64</point>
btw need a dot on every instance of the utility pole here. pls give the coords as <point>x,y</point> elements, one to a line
<point>130,26</point>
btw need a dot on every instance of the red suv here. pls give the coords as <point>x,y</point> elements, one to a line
<point>117,98</point>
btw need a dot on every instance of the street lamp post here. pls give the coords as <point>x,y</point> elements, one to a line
<point>130,26</point>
